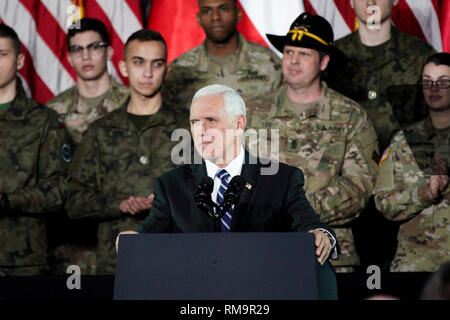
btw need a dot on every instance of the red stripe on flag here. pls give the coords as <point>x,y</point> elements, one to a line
<point>309,8</point>
<point>181,30</point>
<point>445,23</point>
<point>405,21</point>
<point>249,31</point>
<point>93,10</point>
<point>347,12</point>
<point>135,6</point>
<point>39,90</point>
<point>50,32</point>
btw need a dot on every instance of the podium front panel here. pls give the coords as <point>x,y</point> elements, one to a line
<point>216,266</point>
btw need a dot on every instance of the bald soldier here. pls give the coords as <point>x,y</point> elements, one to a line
<point>322,132</point>
<point>225,57</point>
<point>413,183</point>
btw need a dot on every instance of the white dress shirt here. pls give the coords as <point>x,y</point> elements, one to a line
<point>234,168</point>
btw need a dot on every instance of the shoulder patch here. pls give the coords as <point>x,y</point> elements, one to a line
<point>384,156</point>
<point>66,153</point>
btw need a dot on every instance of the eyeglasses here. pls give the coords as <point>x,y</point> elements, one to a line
<point>93,48</point>
<point>441,83</point>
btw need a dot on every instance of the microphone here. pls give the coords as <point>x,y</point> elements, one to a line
<point>233,193</point>
<point>202,199</point>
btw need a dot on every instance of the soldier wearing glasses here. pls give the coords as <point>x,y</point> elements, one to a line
<point>413,182</point>
<point>96,92</point>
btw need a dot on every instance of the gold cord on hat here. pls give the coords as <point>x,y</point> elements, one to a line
<point>298,35</point>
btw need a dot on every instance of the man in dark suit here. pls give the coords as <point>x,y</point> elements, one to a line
<point>272,199</point>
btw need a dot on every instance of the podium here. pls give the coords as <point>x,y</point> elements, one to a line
<point>221,266</point>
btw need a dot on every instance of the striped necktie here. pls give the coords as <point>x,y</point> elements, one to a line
<point>223,175</point>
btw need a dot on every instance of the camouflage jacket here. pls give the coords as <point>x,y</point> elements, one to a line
<point>423,239</point>
<point>34,153</point>
<point>115,161</point>
<point>383,80</point>
<point>76,114</point>
<point>335,144</point>
<point>258,72</point>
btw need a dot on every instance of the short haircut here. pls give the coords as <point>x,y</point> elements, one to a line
<point>8,32</point>
<point>233,102</point>
<point>438,59</point>
<point>145,35</point>
<point>88,24</point>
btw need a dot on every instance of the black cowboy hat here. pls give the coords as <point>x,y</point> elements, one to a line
<point>308,31</point>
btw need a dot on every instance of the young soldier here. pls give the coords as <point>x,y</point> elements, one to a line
<point>34,154</point>
<point>225,57</point>
<point>112,176</point>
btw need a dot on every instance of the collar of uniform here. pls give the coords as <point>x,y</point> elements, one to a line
<point>164,116</point>
<point>112,90</point>
<point>320,108</point>
<point>19,108</point>
<point>392,51</point>
<point>419,131</point>
<point>242,48</point>
<point>113,93</point>
<point>429,129</point>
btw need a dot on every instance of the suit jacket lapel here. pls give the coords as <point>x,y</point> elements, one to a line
<point>198,172</point>
<point>250,173</point>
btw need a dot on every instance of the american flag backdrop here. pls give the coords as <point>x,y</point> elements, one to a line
<point>42,25</point>
<point>426,19</point>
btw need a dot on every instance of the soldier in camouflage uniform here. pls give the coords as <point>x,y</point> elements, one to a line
<point>322,132</point>
<point>34,153</point>
<point>95,93</point>
<point>113,171</point>
<point>413,182</point>
<point>225,57</point>
<point>382,73</point>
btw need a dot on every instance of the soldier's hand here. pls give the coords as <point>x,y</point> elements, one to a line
<point>134,205</point>
<point>118,236</point>
<point>443,182</point>
<point>150,200</point>
<point>431,191</point>
<point>323,245</point>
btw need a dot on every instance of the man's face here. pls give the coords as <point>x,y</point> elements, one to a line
<point>89,64</point>
<point>302,66</point>
<point>361,8</point>
<point>9,62</point>
<point>437,99</point>
<point>145,66</point>
<point>214,132</point>
<point>218,18</point>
